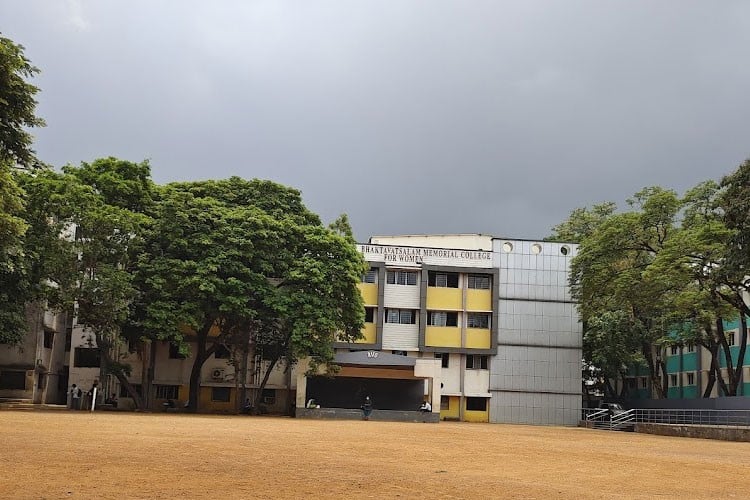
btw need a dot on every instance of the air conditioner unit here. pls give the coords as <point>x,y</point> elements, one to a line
<point>217,374</point>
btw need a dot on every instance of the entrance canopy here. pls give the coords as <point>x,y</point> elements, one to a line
<point>373,359</point>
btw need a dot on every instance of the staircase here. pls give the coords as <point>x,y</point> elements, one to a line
<point>27,405</point>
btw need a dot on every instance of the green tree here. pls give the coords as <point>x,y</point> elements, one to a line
<point>218,260</point>
<point>17,112</point>
<point>315,301</point>
<point>17,105</point>
<point>609,279</point>
<point>13,293</point>
<point>692,264</point>
<point>582,222</point>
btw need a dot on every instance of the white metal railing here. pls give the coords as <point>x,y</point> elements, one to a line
<point>602,418</point>
<point>737,418</point>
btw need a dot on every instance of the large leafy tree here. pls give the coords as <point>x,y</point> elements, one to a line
<point>691,264</point>
<point>610,283</point>
<point>17,114</point>
<point>112,212</point>
<point>83,229</point>
<point>315,301</point>
<point>220,259</point>
<point>13,293</point>
<point>17,105</point>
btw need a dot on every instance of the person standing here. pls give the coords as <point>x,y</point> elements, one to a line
<point>75,398</point>
<point>367,408</point>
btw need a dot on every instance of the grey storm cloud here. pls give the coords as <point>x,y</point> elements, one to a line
<point>410,116</point>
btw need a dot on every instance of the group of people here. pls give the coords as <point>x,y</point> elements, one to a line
<point>80,400</point>
<point>366,407</point>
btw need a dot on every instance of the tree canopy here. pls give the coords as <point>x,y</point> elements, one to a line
<point>669,271</point>
<point>17,105</point>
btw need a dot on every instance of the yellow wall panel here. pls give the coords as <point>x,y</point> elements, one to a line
<point>369,293</point>
<point>442,299</point>
<point>476,416</point>
<point>452,413</point>
<point>478,338</point>
<point>442,336</point>
<point>207,405</point>
<point>478,300</point>
<point>369,333</point>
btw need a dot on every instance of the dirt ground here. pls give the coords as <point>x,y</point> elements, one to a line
<point>61,454</point>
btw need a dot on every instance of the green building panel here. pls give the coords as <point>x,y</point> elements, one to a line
<point>690,392</point>
<point>690,362</point>
<point>731,325</point>
<point>735,350</point>
<point>673,393</point>
<point>673,364</point>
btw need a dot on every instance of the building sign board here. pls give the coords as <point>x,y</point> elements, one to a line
<point>416,256</point>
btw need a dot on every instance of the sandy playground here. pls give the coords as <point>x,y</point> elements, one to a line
<point>60,454</point>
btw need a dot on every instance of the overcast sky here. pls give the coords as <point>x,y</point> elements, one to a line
<point>412,117</point>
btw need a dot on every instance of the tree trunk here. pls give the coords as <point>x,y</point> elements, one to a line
<point>712,348</point>
<point>147,383</point>
<point>730,388</point>
<point>131,390</point>
<point>741,354</point>
<point>201,355</point>
<point>243,371</point>
<point>262,385</point>
<point>106,361</point>
<point>609,391</point>
<point>656,382</point>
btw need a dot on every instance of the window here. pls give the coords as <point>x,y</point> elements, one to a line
<point>691,379</point>
<point>220,394</point>
<point>13,380</point>
<point>370,276</point>
<point>269,396</point>
<point>443,280</point>
<point>442,318</point>
<point>476,404</point>
<point>402,316</point>
<point>673,381</point>
<point>49,339</point>
<point>644,382</point>
<point>369,315</point>
<point>478,320</point>
<point>222,352</point>
<point>730,338</point>
<point>690,347</point>
<point>444,357</point>
<point>84,357</point>
<point>401,277</point>
<point>476,362</point>
<point>174,352</point>
<point>479,281</point>
<point>125,394</point>
<point>167,391</point>
<point>445,402</point>
<point>673,350</point>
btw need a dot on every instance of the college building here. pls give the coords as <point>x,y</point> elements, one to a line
<point>481,327</point>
